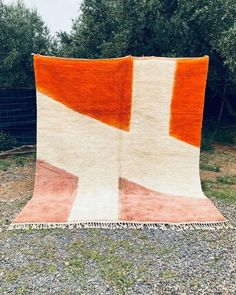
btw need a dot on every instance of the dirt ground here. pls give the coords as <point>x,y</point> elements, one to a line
<point>223,157</point>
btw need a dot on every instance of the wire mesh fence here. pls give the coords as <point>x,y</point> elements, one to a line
<point>18,114</point>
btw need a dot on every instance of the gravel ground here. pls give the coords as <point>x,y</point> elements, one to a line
<point>93,261</point>
<point>118,262</point>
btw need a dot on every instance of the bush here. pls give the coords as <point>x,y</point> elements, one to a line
<point>225,136</point>
<point>22,31</point>
<point>207,140</point>
<point>186,28</point>
<point>210,136</point>
<point>7,141</point>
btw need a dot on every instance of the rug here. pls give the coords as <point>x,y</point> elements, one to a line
<point>118,144</point>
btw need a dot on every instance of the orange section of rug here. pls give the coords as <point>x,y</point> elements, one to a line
<point>138,203</point>
<point>101,89</point>
<point>53,197</point>
<point>188,100</point>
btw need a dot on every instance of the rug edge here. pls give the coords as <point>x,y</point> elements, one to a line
<point>212,225</point>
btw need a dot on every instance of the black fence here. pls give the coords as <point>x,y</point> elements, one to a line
<point>18,114</point>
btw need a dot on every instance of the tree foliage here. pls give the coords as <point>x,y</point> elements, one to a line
<point>22,32</point>
<point>108,28</point>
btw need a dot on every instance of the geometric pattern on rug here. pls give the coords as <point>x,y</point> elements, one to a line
<point>118,141</point>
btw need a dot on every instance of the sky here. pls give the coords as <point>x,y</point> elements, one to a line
<point>57,14</point>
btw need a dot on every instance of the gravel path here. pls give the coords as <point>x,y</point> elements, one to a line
<point>119,261</point>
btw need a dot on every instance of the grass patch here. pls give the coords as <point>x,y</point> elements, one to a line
<point>35,268</point>
<point>167,274</point>
<point>209,166</point>
<point>228,195</point>
<point>48,253</point>
<point>220,189</point>
<point>118,272</point>
<point>194,282</point>
<point>17,161</point>
<point>208,184</point>
<point>76,263</point>
<point>222,185</point>
<point>227,179</point>
<point>21,291</point>
<point>22,160</point>
<point>51,268</point>
<point>11,276</point>
<point>5,165</point>
<point>19,203</point>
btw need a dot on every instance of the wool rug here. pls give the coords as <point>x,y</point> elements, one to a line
<point>118,144</point>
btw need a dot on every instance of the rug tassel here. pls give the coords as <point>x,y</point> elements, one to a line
<point>123,225</point>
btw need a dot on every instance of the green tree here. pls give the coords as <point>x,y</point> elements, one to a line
<point>22,32</point>
<point>210,28</point>
<point>107,28</point>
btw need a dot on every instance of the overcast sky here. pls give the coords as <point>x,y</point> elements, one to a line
<point>57,14</point>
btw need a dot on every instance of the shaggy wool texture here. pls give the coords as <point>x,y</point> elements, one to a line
<point>118,144</point>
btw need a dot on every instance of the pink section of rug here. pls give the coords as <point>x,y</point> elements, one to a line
<point>54,194</point>
<point>138,203</point>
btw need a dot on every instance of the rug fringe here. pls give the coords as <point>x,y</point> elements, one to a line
<point>123,225</point>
